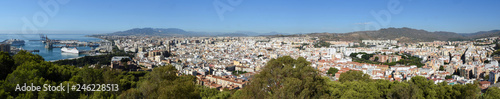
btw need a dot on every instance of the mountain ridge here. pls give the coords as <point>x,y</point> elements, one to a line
<point>403,34</point>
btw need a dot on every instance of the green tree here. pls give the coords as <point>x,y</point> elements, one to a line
<point>6,64</point>
<point>332,71</point>
<point>125,60</point>
<point>208,92</point>
<point>286,77</point>
<point>470,91</point>
<point>39,74</point>
<point>354,76</point>
<point>88,76</point>
<point>427,86</point>
<point>212,93</point>
<point>406,90</point>
<point>384,87</point>
<point>335,89</point>
<point>441,68</point>
<point>131,94</point>
<point>360,90</point>
<point>444,91</point>
<point>367,56</point>
<point>163,82</point>
<point>24,56</point>
<point>353,55</point>
<point>492,93</point>
<point>448,77</point>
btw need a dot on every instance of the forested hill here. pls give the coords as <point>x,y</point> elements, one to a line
<point>403,35</point>
<point>282,78</point>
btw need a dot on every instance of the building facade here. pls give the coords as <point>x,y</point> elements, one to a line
<point>5,47</point>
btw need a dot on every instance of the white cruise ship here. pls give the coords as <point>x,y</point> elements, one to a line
<point>14,42</point>
<point>70,50</point>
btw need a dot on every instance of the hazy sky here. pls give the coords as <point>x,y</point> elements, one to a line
<point>287,16</point>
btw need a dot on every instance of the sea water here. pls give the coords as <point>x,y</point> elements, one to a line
<point>50,54</point>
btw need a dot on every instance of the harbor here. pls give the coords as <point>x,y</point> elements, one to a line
<point>49,43</point>
<point>51,46</point>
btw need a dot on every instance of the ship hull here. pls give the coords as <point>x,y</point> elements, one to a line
<point>68,50</point>
<point>14,42</point>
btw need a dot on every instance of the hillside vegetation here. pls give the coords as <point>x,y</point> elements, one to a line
<point>282,78</point>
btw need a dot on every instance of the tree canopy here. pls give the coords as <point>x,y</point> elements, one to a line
<point>354,76</point>
<point>162,82</point>
<point>332,71</point>
<point>6,64</point>
<point>283,77</point>
<point>286,77</point>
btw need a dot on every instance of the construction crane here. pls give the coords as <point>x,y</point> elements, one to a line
<point>47,41</point>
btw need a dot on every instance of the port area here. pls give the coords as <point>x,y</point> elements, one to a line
<point>85,52</point>
<point>49,43</point>
<point>103,46</point>
<point>97,47</point>
<point>70,43</point>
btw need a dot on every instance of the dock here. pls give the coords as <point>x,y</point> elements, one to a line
<point>33,50</point>
<point>49,43</point>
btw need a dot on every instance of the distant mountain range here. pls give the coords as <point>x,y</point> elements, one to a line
<point>154,32</point>
<point>180,33</point>
<point>401,34</point>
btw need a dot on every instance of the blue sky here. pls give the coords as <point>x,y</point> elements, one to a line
<point>263,16</point>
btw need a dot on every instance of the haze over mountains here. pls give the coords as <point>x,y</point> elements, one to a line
<point>401,34</point>
<point>404,35</point>
<point>179,32</point>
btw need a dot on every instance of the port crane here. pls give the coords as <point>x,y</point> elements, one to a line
<point>48,42</point>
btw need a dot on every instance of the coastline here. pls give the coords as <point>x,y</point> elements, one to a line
<point>75,57</point>
<point>67,59</point>
<point>54,54</point>
<point>96,54</point>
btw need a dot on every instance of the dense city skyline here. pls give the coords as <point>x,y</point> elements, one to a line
<point>250,49</point>
<point>336,16</point>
